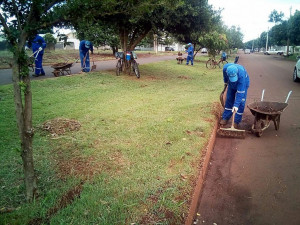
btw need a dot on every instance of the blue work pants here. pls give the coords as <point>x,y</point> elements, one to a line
<point>190,57</point>
<point>229,105</point>
<point>85,61</point>
<point>38,70</point>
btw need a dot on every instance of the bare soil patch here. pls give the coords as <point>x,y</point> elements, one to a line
<point>59,126</point>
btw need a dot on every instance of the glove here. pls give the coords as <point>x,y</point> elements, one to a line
<point>235,109</point>
<point>40,49</point>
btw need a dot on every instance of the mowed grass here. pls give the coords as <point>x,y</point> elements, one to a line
<point>135,158</point>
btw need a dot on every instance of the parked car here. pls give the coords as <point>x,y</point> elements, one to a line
<point>296,74</point>
<point>284,54</point>
<point>247,51</point>
<point>273,52</point>
<point>169,49</point>
<point>203,50</point>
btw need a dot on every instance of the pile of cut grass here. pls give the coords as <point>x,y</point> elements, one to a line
<point>135,157</point>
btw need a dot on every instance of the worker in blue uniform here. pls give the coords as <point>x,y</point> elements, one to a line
<point>84,48</point>
<point>38,45</point>
<point>237,79</point>
<point>190,56</point>
<point>224,56</point>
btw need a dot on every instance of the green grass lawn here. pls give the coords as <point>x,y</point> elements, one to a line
<point>135,158</point>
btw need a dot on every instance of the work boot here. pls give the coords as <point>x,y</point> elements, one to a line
<point>236,125</point>
<point>223,122</point>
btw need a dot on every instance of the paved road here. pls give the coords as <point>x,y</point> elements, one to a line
<point>6,74</point>
<point>257,180</point>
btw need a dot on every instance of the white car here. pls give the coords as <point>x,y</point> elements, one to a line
<point>273,52</point>
<point>247,51</point>
<point>296,74</point>
<point>203,50</point>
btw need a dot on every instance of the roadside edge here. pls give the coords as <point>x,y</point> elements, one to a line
<point>201,177</point>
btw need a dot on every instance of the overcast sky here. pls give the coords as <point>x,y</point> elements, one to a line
<point>252,16</point>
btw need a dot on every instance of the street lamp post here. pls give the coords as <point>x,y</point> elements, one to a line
<point>267,39</point>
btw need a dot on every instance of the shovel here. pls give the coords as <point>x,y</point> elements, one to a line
<point>231,132</point>
<point>93,66</point>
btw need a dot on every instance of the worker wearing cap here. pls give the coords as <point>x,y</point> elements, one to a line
<point>190,56</point>
<point>84,48</point>
<point>38,45</point>
<point>237,79</point>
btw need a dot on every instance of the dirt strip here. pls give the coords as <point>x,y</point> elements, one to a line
<point>201,177</point>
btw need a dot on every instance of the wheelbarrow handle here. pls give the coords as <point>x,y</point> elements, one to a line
<point>287,98</point>
<point>222,94</point>
<point>262,95</point>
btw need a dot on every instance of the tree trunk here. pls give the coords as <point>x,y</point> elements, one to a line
<point>287,47</point>
<point>24,122</point>
<point>155,43</point>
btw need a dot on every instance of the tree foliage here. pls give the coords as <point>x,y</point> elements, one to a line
<point>214,42</point>
<point>275,16</point>
<point>294,28</point>
<point>100,34</point>
<point>279,33</point>
<point>234,37</point>
<point>190,21</point>
<point>49,38</point>
<point>131,20</point>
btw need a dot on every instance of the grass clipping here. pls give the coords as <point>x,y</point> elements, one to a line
<point>59,126</point>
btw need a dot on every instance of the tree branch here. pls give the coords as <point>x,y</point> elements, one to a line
<point>51,4</point>
<point>17,15</point>
<point>6,29</point>
<point>138,40</point>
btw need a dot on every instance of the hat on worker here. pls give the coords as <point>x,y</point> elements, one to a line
<point>189,43</point>
<point>87,44</point>
<point>232,73</point>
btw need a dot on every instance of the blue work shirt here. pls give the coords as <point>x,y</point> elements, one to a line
<point>38,42</point>
<point>190,51</point>
<point>83,49</point>
<point>241,85</point>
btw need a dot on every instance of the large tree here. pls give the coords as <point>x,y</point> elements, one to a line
<point>234,37</point>
<point>20,21</point>
<point>215,43</point>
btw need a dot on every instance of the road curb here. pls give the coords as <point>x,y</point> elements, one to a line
<point>201,176</point>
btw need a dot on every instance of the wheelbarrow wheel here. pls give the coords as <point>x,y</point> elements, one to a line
<point>258,133</point>
<point>258,125</point>
<point>277,122</point>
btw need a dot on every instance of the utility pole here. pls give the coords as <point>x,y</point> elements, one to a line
<point>267,39</point>
<point>288,40</point>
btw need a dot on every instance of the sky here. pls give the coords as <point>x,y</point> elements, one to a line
<point>252,15</point>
